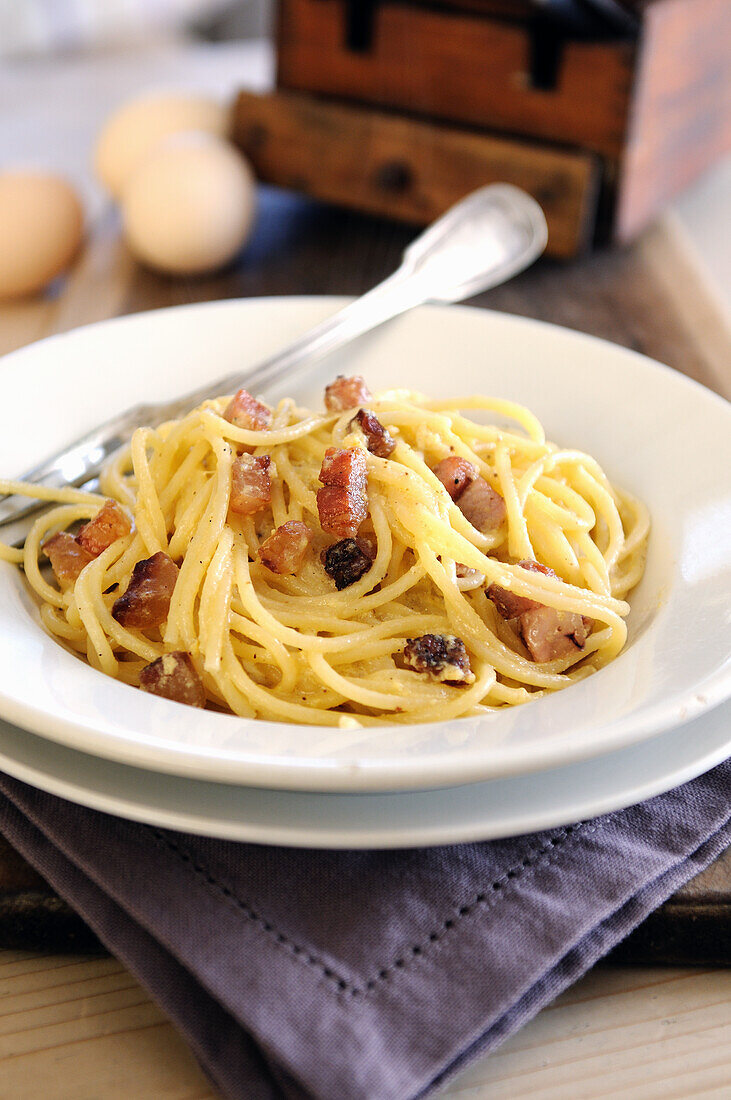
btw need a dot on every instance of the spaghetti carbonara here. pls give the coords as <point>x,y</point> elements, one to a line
<point>391,559</point>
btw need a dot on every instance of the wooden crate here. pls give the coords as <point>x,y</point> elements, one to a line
<point>401,107</point>
<point>454,64</point>
<point>405,168</point>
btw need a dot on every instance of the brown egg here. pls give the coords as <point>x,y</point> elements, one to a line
<point>41,224</point>
<point>189,206</point>
<point>132,132</point>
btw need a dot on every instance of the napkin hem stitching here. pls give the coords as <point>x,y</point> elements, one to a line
<point>416,950</point>
<point>270,929</point>
<point>482,898</point>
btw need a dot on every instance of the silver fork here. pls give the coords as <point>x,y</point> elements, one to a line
<point>482,241</point>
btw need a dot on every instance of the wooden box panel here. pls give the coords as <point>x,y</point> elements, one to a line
<point>681,115</point>
<point>462,66</point>
<point>408,169</point>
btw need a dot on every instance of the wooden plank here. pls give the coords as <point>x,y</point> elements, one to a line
<point>639,1034</point>
<point>692,927</point>
<point>87,1030</point>
<point>407,169</point>
<point>681,117</point>
<point>460,66</point>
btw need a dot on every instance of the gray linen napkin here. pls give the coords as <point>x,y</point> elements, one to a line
<point>351,975</point>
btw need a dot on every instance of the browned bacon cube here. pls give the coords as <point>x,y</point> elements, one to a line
<point>455,474</point>
<point>251,485</point>
<point>346,393</point>
<point>146,602</point>
<point>482,506</point>
<point>343,502</point>
<point>67,557</point>
<point>285,549</point>
<point>379,441</point>
<point>549,633</point>
<point>508,603</point>
<point>173,676</point>
<point>347,561</point>
<point>244,411</point>
<point>109,524</point>
<point>442,656</point>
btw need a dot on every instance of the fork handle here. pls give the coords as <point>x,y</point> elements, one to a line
<point>396,294</point>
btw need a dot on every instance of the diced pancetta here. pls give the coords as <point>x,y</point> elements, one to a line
<point>67,557</point>
<point>549,633</point>
<point>346,393</point>
<point>347,561</point>
<point>482,506</point>
<point>146,602</point>
<point>455,474</point>
<point>173,676</point>
<point>285,549</point>
<point>109,524</point>
<point>379,440</point>
<point>244,411</point>
<point>343,502</point>
<point>251,485</point>
<point>508,603</point>
<point>442,656</point>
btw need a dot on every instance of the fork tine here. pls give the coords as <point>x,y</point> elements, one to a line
<point>14,531</point>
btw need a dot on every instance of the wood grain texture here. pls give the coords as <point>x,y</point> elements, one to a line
<point>83,1029</point>
<point>681,115</point>
<point>655,106</point>
<point>406,169</point>
<point>694,926</point>
<point>637,1035</point>
<point>461,66</point>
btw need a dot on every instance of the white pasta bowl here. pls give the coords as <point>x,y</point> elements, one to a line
<point>656,433</point>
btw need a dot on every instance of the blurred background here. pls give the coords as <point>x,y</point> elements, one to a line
<point>67,65</point>
<point>30,27</point>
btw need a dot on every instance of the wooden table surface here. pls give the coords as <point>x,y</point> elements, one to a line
<point>81,1028</point>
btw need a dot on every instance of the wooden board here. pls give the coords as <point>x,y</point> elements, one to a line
<point>694,926</point>
<point>406,169</point>
<point>646,297</point>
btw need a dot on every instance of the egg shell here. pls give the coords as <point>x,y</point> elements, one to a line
<point>41,225</point>
<point>133,131</point>
<point>188,208</point>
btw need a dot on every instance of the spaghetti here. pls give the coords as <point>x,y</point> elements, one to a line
<point>403,561</point>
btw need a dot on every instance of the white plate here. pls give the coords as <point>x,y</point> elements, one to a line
<point>300,819</point>
<point>658,434</point>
